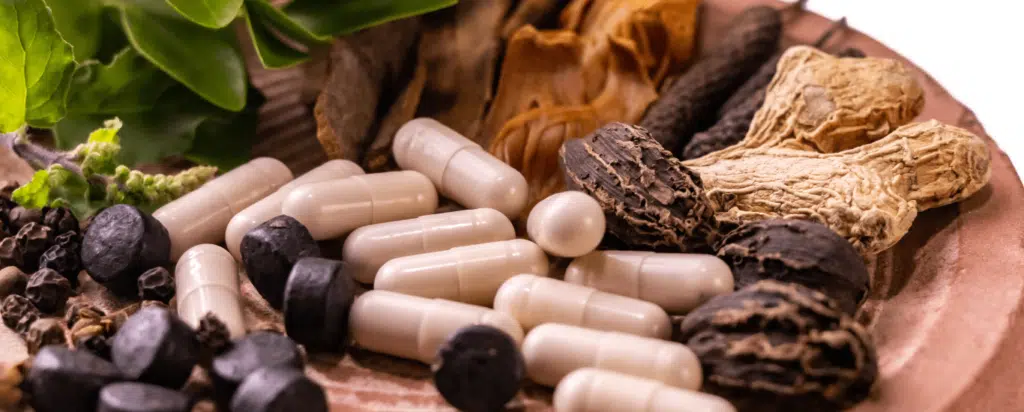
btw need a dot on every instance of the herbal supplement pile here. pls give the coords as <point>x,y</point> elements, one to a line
<point>636,281</point>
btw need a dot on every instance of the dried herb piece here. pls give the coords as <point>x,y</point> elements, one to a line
<point>60,220</point>
<point>78,311</point>
<point>690,104</point>
<point>18,313</point>
<point>650,200</point>
<point>214,337</point>
<point>10,252</point>
<point>33,239</point>
<point>43,332</point>
<point>774,346</point>
<point>156,284</point>
<point>48,290</point>
<point>63,260</point>
<point>12,281</point>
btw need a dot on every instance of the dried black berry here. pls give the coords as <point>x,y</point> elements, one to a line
<point>20,216</point>
<point>156,284</point>
<point>248,354</point>
<point>18,313</point>
<point>34,239</point>
<point>155,346</point>
<point>140,397</point>
<point>63,260</point>
<point>10,252</point>
<point>120,243</point>
<point>65,380</point>
<point>61,220</point>
<point>48,290</point>
<point>270,250</point>
<point>99,345</point>
<point>69,240</point>
<point>12,281</point>
<point>43,332</point>
<point>214,337</point>
<point>479,369</point>
<point>279,389</point>
<point>317,300</point>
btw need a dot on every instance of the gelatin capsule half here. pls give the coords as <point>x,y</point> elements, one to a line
<point>678,282</point>
<point>468,274</point>
<point>596,390</point>
<point>533,300</point>
<point>461,169</point>
<point>206,278</point>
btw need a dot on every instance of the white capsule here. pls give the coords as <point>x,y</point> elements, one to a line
<point>533,300</point>
<point>202,215</point>
<point>369,247</point>
<point>412,327</point>
<point>567,224</point>
<point>270,206</point>
<point>460,168</point>
<point>552,350</point>
<point>335,207</point>
<point>468,274</point>
<point>596,390</point>
<point>678,282</point>
<point>206,279</point>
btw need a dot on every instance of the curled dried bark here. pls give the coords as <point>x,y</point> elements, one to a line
<point>530,12</point>
<point>773,346</point>
<point>691,103</point>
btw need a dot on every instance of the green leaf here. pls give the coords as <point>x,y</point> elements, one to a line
<point>273,53</point>
<point>129,84</point>
<point>266,13</point>
<point>208,13</point>
<point>107,133</point>
<point>36,193</point>
<point>79,22</point>
<point>35,66</point>
<point>226,141</point>
<point>334,17</point>
<point>206,61</point>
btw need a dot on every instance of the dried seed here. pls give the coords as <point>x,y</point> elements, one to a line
<point>19,217</point>
<point>10,252</point>
<point>48,290</point>
<point>156,284</point>
<point>79,311</point>
<point>34,239</point>
<point>214,337</point>
<point>19,313</point>
<point>12,281</point>
<point>60,220</point>
<point>43,332</point>
<point>63,260</point>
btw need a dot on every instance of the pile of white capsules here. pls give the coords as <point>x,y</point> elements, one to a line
<point>600,336</point>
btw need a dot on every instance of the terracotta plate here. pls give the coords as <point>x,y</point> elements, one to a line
<point>944,311</point>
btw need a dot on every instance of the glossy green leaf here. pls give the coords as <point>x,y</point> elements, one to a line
<point>208,13</point>
<point>206,61</point>
<point>129,84</point>
<point>334,17</point>
<point>268,14</point>
<point>273,53</point>
<point>226,141</point>
<point>35,66</point>
<point>80,23</point>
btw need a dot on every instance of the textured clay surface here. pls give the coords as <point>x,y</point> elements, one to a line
<point>773,346</point>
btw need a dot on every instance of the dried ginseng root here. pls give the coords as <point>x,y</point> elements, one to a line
<point>868,195</point>
<point>774,346</point>
<point>691,103</point>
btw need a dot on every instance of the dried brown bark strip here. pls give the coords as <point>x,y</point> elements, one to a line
<point>650,200</point>
<point>691,103</point>
<point>773,346</point>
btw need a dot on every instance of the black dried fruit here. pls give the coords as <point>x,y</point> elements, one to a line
<point>774,346</point>
<point>140,397</point>
<point>155,346</point>
<point>48,290</point>
<point>317,300</point>
<point>270,250</point>
<point>99,345</point>
<point>65,380</point>
<point>12,281</point>
<point>44,332</point>
<point>279,389</point>
<point>479,369</point>
<point>692,101</point>
<point>248,354</point>
<point>69,240</point>
<point>798,251</point>
<point>78,311</point>
<point>650,200</point>
<point>121,243</point>
<point>20,216</point>
<point>10,252</point>
<point>61,220</point>
<point>214,336</point>
<point>156,284</point>
<point>63,260</point>
<point>33,239</point>
<point>19,313</point>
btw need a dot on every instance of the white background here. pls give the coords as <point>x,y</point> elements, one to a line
<point>974,48</point>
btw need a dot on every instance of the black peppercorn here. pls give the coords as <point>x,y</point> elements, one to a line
<point>63,260</point>
<point>10,252</point>
<point>18,313</point>
<point>43,332</point>
<point>61,220</point>
<point>99,345</point>
<point>214,337</point>
<point>34,239</point>
<point>69,240</point>
<point>156,284</point>
<point>48,290</point>
<point>12,281</point>
<point>20,216</point>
